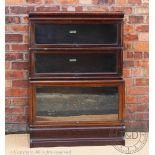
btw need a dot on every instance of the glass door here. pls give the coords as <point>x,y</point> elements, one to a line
<point>76,103</point>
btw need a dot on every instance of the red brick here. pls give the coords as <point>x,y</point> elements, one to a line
<point>129,82</point>
<point>141,10</point>
<point>26,110</point>
<point>14,110</point>
<point>71,8</point>
<point>137,108</point>
<point>19,28</point>
<point>138,55</point>
<point>142,28</point>
<point>85,2</point>
<point>106,1</point>
<point>131,99</point>
<point>7,47</point>
<point>146,55</point>
<point>6,10</point>
<point>125,55</point>
<point>127,10</point>
<point>127,45</point>
<point>8,83</point>
<point>13,38</point>
<point>20,101</point>
<point>143,37</point>
<point>15,74</point>
<point>25,20</point>
<point>12,19</point>
<point>20,65</point>
<point>141,46</point>
<point>139,125</point>
<point>146,69</point>
<point>142,116</point>
<point>142,82</point>
<point>136,19</point>
<point>25,38</point>
<point>121,1</point>
<point>68,8</point>
<point>19,47</point>
<point>97,8</point>
<point>95,2</point>
<point>12,92</point>
<point>68,1</point>
<point>130,54</point>
<point>128,28</point>
<point>13,56</point>
<point>7,101</point>
<point>7,65</point>
<point>49,1</point>
<point>127,73</point>
<point>20,83</point>
<point>134,1</point>
<point>137,90</point>
<point>137,116</point>
<point>21,10</point>
<point>19,119</point>
<point>129,116</point>
<point>78,8</point>
<point>34,1</point>
<point>143,107</point>
<point>137,72</point>
<point>130,37</point>
<point>143,99</point>
<point>127,64</point>
<point>26,56</point>
<point>145,1</point>
<point>47,9</point>
<point>142,64</point>
<point>147,20</point>
<point>8,118</point>
<point>14,2</point>
<point>7,28</point>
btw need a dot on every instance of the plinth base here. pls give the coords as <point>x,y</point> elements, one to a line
<point>41,136</point>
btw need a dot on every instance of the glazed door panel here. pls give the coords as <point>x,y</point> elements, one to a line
<point>77,103</point>
<point>76,33</point>
<point>76,64</point>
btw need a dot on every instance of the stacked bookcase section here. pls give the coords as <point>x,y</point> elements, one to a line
<point>76,85</point>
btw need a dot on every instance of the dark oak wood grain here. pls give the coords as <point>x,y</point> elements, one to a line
<point>117,73</point>
<point>77,136</point>
<point>78,18</point>
<point>45,131</point>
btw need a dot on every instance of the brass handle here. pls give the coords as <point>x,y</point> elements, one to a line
<point>73,60</point>
<point>72,31</point>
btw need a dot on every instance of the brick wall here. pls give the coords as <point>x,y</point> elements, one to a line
<point>135,55</point>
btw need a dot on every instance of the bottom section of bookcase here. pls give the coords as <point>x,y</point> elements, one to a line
<point>76,136</point>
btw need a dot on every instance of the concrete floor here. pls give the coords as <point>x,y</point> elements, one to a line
<point>18,144</point>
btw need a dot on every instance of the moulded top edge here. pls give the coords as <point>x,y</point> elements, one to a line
<point>76,49</point>
<point>89,14</point>
<point>66,82</point>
